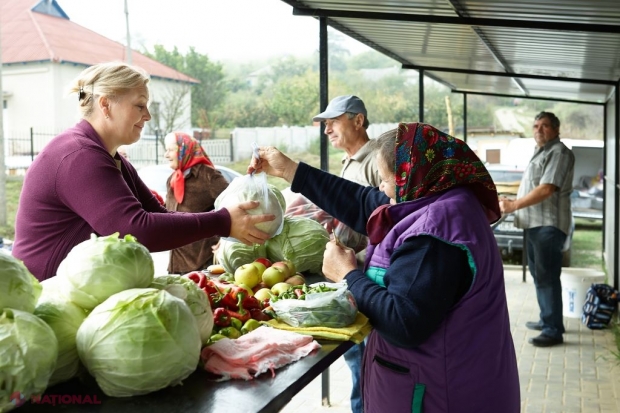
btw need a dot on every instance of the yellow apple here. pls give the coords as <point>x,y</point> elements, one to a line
<point>248,275</point>
<point>273,275</point>
<point>280,288</point>
<point>261,267</point>
<point>263,294</point>
<point>284,267</point>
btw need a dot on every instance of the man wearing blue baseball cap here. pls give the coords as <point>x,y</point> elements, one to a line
<point>346,121</point>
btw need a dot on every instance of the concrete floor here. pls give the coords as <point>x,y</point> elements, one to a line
<point>580,376</point>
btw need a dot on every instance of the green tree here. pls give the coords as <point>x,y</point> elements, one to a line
<point>294,100</point>
<point>210,93</point>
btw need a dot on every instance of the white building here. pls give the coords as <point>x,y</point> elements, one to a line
<point>42,52</point>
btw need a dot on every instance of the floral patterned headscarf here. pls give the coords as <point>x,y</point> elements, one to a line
<point>189,153</point>
<point>429,161</point>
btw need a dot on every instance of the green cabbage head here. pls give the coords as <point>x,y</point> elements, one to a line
<point>64,317</point>
<point>101,266</point>
<point>301,241</point>
<point>28,351</point>
<point>194,297</point>
<point>139,341</point>
<point>18,287</point>
<point>233,254</point>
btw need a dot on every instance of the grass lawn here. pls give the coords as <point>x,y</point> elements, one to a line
<point>13,189</point>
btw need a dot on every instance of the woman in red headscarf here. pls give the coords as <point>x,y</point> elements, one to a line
<point>193,187</point>
<point>432,285</point>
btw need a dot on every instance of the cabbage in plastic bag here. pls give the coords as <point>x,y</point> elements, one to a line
<point>255,188</point>
<point>28,352</point>
<point>194,297</point>
<point>301,241</point>
<point>138,341</point>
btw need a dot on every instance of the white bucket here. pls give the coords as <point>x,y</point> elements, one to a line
<point>575,284</point>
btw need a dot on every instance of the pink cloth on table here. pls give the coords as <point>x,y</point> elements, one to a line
<point>254,353</point>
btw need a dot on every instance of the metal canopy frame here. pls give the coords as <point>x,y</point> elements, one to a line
<point>533,49</point>
<point>573,45</point>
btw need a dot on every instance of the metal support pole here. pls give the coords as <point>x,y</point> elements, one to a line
<point>323,89</point>
<point>31,144</point>
<point>465,117</point>
<point>156,146</point>
<point>323,92</point>
<point>524,256</point>
<point>421,96</point>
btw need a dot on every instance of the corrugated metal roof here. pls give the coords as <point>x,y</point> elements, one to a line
<point>453,41</point>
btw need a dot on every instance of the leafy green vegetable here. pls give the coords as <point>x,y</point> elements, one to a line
<point>19,289</point>
<point>196,299</point>
<point>28,351</point>
<point>101,266</point>
<point>232,254</point>
<point>138,341</point>
<point>301,241</point>
<point>64,317</point>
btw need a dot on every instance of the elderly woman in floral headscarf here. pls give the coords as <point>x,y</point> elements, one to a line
<point>433,284</point>
<point>193,187</point>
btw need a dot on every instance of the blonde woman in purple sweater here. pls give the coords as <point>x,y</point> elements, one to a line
<point>79,184</point>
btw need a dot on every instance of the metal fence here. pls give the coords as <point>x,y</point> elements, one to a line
<point>20,149</point>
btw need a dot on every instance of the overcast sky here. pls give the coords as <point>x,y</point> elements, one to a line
<point>221,29</point>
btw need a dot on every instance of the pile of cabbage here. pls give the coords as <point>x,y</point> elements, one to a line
<point>28,346</point>
<point>301,241</point>
<point>104,313</point>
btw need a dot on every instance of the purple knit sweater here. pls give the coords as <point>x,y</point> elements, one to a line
<point>75,188</point>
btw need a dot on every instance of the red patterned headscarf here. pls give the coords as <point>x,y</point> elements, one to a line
<point>429,161</point>
<point>189,153</point>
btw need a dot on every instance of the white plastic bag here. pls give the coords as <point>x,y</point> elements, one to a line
<point>329,309</point>
<point>254,188</point>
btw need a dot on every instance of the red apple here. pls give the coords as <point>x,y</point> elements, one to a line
<point>296,279</point>
<point>284,267</point>
<point>264,261</point>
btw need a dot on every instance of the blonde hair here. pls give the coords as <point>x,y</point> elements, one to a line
<point>112,79</point>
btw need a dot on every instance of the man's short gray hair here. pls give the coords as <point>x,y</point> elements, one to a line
<point>351,115</point>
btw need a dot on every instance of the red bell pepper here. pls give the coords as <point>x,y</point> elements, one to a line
<point>221,317</point>
<point>242,314</point>
<point>258,314</point>
<point>199,278</point>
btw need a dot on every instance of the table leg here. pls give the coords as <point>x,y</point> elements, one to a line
<point>325,388</point>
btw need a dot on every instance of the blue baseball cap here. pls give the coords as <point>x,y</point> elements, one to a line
<point>340,105</point>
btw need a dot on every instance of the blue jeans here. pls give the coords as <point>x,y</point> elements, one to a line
<point>544,258</point>
<point>353,358</point>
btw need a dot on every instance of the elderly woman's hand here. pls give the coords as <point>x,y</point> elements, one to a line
<point>242,224</point>
<point>273,162</point>
<point>338,261</point>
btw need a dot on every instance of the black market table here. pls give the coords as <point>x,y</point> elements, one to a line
<point>199,393</point>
